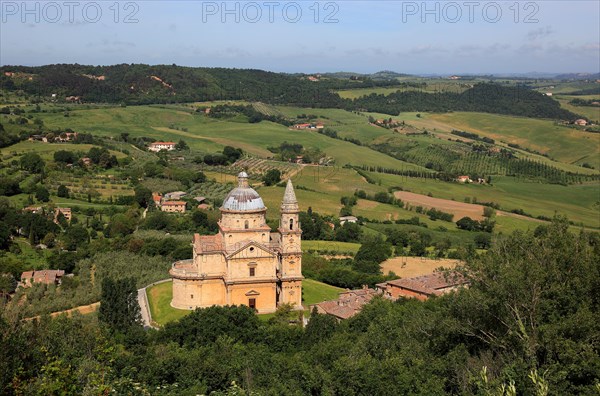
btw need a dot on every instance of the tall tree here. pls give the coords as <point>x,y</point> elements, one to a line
<point>119,307</point>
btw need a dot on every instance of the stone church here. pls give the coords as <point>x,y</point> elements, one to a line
<point>244,263</point>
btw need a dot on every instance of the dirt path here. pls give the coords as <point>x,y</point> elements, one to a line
<point>458,209</point>
<point>83,309</point>
<point>407,267</point>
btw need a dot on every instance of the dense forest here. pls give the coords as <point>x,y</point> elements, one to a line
<point>526,325</point>
<point>144,84</point>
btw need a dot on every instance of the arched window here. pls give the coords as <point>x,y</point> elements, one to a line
<point>246,224</point>
<point>291,224</point>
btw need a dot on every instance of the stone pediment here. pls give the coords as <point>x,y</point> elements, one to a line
<point>253,293</point>
<point>251,249</point>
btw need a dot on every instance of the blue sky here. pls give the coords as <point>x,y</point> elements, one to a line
<point>360,36</point>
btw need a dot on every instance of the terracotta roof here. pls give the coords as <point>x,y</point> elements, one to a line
<point>332,308</point>
<point>349,303</point>
<point>157,143</point>
<point>43,276</point>
<point>173,203</point>
<point>430,284</point>
<point>27,275</point>
<point>208,243</point>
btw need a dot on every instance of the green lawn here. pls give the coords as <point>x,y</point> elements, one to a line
<point>314,292</point>
<point>159,299</point>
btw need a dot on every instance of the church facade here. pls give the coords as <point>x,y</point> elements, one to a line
<point>244,263</point>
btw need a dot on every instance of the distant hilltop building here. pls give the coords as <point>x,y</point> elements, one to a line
<point>244,263</point>
<point>158,146</point>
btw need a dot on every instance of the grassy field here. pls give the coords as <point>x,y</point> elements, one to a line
<point>593,113</point>
<point>210,135</point>
<point>20,200</point>
<point>358,92</point>
<point>159,299</point>
<point>314,292</point>
<point>565,144</point>
<point>330,246</point>
<point>580,202</point>
<point>46,150</point>
<point>441,85</point>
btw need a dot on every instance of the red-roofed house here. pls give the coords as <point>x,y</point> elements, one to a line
<point>157,198</point>
<point>47,277</point>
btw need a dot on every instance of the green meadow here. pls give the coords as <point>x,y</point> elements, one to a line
<point>580,202</point>
<point>593,113</point>
<point>562,143</point>
<point>210,135</point>
<point>330,246</point>
<point>46,150</point>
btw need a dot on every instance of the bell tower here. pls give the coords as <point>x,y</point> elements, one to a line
<point>291,250</point>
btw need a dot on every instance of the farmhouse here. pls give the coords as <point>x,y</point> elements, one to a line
<point>463,179</point>
<point>158,146</point>
<point>173,206</point>
<point>302,126</point>
<point>422,287</point>
<point>580,122</point>
<point>244,263</point>
<point>348,219</point>
<point>65,212</point>
<point>348,304</point>
<point>47,277</point>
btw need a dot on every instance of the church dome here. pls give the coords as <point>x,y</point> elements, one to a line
<point>243,198</point>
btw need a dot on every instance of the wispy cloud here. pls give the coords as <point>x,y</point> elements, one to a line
<point>540,33</point>
<point>107,45</point>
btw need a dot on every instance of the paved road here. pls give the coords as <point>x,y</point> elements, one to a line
<point>144,308</point>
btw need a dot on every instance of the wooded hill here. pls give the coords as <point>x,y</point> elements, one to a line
<point>144,84</point>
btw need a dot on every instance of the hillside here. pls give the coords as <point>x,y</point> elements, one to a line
<point>144,84</point>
